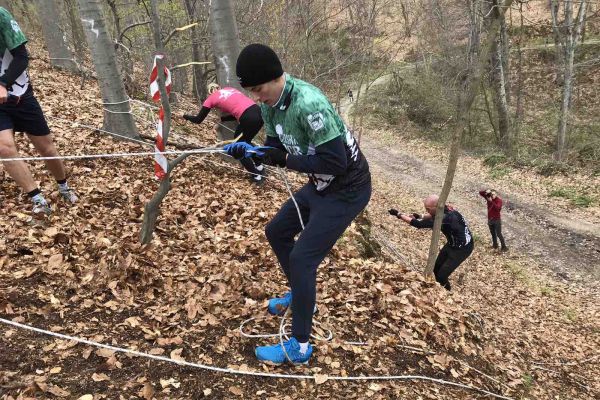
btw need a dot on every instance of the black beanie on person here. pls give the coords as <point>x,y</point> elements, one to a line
<point>257,64</point>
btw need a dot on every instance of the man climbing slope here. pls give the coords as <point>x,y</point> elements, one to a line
<point>459,240</point>
<point>305,134</point>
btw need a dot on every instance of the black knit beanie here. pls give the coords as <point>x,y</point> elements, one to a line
<point>257,64</point>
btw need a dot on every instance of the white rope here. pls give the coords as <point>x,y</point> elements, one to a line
<point>113,104</point>
<point>287,185</point>
<point>115,155</point>
<point>117,112</point>
<point>286,332</point>
<point>243,170</point>
<point>250,373</point>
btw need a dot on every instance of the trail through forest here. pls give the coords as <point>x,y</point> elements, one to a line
<point>568,243</point>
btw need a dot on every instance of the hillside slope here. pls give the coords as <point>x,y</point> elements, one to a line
<point>83,273</point>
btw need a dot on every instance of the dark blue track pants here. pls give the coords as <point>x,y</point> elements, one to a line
<point>325,219</point>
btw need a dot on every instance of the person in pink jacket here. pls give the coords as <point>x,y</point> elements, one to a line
<point>235,105</point>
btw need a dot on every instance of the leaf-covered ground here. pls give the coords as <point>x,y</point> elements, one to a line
<point>209,268</point>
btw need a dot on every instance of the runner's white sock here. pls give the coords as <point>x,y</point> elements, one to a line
<point>63,187</point>
<point>303,347</point>
<point>38,198</point>
<point>260,167</point>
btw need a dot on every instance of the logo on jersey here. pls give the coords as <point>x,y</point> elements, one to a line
<point>15,26</point>
<point>225,93</point>
<point>352,145</point>
<point>316,121</point>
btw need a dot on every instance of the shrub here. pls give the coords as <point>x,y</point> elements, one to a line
<point>494,159</point>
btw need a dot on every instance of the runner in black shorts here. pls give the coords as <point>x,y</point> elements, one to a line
<point>20,112</point>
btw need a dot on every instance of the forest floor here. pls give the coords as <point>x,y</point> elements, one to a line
<point>512,325</point>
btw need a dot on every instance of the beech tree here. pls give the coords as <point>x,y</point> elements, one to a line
<point>54,37</point>
<point>471,85</point>
<point>567,34</point>
<point>226,48</point>
<point>117,116</point>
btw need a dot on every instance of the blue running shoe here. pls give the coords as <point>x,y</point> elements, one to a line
<point>274,354</point>
<point>278,305</point>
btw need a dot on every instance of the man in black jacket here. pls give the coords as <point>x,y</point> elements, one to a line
<point>459,244</point>
<point>20,111</point>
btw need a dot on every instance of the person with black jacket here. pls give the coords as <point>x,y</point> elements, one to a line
<point>304,133</point>
<point>459,245</point>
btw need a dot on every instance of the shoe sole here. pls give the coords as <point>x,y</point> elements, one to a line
<point>274,364</point>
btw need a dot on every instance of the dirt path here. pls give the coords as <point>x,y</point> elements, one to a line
<point>570,247</point>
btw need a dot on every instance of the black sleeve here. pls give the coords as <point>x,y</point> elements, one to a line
<point>422,223</point>
<point>274,142</point>
<point>202,114</point>
<point>329,158</point>
<point>17,66</point>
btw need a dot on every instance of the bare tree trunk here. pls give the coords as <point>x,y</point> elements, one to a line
<point>117,116</point>
<point>77,33</point>
<point>572,33</point>
<point>152,209</point>
<point>466,99</point>
<point>406,18</point>
<point>499,74</point>
<point>475,33</point>
<point>198,74</point>
<point>518,120</point>
<point>556,34</point>
<point>124,61</point>
<point>55,39</point>
<point>226,48</point>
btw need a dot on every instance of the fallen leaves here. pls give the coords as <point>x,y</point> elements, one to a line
<point>236,390</point>
<point>208,269</point>
<point>176,355</point>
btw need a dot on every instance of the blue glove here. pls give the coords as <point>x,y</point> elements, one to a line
<point>240,150</point>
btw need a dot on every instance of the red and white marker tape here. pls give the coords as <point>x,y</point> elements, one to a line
<point>161,164</point>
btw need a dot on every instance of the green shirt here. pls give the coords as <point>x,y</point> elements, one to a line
<point>309,121</point>
<point>303,119</point>
<point>11,36</point>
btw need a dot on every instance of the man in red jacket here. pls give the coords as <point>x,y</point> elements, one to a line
<point>494,205</point>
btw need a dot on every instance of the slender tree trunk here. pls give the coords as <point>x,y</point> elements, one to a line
<point>518,120</point>
<point>499,75</point>
<point>557,36</point>
<point>152,209</point>
<point>572,29</point>
<point>475,33</point>
<point>77,33</point>
<point>226,48</point>
<point>465,103</point>
<point>198,71</point>
<point>54,37</point>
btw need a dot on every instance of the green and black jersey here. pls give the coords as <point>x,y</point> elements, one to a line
<point>303,119</point>
<point>11,37</point>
